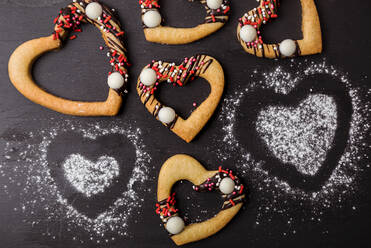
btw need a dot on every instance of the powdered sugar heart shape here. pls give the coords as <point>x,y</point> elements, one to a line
<point>299,136</point>
<point>88,177</point>
<point>91,173</point>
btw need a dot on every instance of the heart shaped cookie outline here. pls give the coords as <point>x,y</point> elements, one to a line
<point>69,19</point>
<point>184,167</point>
<point>214,20</point>
<point>202,66</point>
<point>286,171</point>
<point>311,31</point>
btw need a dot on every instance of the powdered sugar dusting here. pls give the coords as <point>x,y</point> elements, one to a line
<point>28,172</point>
<point>300,136</point>
<point>275,123</point>
<point>88,177</point>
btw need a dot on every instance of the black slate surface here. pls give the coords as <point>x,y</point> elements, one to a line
<point>79,72</point>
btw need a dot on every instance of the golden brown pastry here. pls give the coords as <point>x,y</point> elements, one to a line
<point>197,66</point>
<point>69,20</point>
<point>250,36</point>
<point>184,167</point>
<point>217,14</point>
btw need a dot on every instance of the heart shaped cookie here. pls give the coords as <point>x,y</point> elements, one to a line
<point>70,20</point>
<point>217,14</point>
<point>197,66</point>
<point>184,167</point>
<point>249,32</point>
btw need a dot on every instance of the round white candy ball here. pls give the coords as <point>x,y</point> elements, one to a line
<point>214,4</point>
<point>166,115</point>
<point>175,225</point>
<point>115,80</point>
<point>287,47</point>
<point>248,33</point>
<point>94,10</point>
<point>227,185</point>
<point>152,19</point>
<point>148,76</point>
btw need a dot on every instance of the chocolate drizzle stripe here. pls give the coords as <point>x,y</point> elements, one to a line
<point>229,205</point>
<point>208,63</point>
<point>172,124</point>
<point>298,51</point>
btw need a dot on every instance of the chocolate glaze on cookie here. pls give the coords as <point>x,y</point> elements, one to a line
<point>268,10</point>
<point>167,207</point>
<point>187,71</point>
<point>213,183</point>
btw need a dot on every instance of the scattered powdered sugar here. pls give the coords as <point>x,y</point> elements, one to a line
<point>300,136</point>
<point>88,177</point>
<point>27,171</point>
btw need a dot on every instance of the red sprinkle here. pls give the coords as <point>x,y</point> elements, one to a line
<point>107,19</point>
<point>241,189</point>
<point>120,33</point>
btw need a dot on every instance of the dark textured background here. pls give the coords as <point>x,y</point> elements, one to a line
<point>79,73</point>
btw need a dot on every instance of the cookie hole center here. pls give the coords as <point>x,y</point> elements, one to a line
<point>184,99</point>
<point>182,13</point>
<point>194,206</point>
<point>68,73</point>
<point>286,26</point>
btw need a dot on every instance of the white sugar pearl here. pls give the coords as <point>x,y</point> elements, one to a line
<point>152,18</point>
<point>248,33</point>
<point>148,76</point>
<point>166,115</point>
<point>214,4</point>
<point>115,80</point>
<point>175,225</point>
<point>226,185</point>
<point>94,10</point>
<point>287,47</point>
